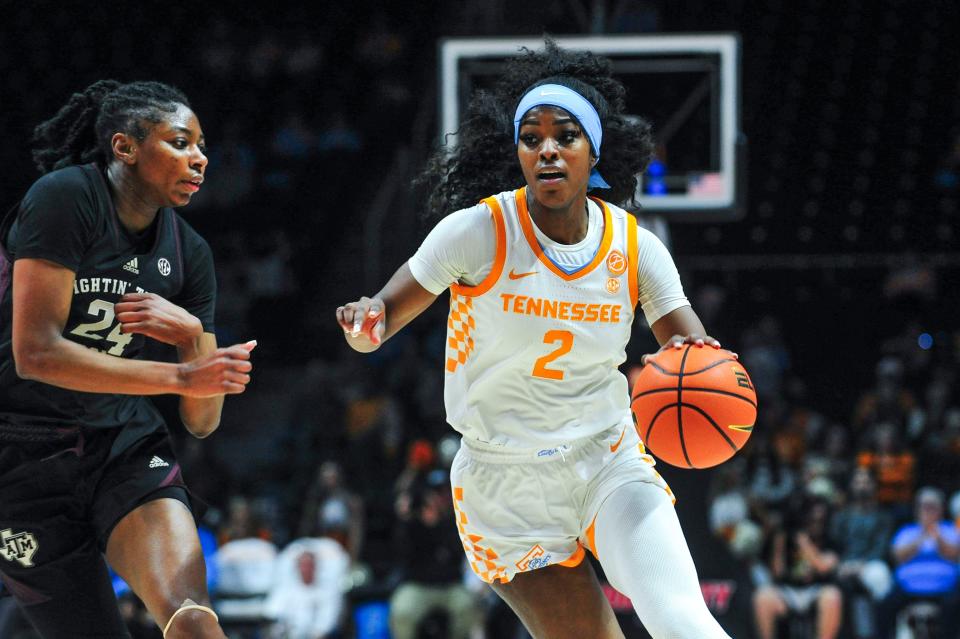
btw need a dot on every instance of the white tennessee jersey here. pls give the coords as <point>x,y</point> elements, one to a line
<point>532,351</point>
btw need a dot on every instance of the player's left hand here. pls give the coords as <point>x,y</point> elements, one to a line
<point>156,317</point>
<point>677,342</point>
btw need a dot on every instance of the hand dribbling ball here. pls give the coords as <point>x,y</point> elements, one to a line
<point>694,406</point>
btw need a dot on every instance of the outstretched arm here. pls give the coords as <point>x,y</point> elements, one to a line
<point>366,323</point>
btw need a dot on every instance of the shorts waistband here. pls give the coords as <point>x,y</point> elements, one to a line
<point>494,453</point>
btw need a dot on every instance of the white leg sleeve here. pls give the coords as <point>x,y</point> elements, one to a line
<point>644,555</point>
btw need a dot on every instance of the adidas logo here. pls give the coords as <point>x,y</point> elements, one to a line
<point>156,462</point>
<point>132,266</point>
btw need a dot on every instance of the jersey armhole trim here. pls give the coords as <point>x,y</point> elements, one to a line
<point>633,259</point>
<point>499,259</point>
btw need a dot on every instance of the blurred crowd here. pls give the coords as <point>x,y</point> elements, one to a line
<point>850,525</point>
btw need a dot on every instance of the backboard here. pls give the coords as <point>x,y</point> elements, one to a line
<point>687,85</point>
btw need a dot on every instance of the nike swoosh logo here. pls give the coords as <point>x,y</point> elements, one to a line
<point>517,276</point>
<point>744,428</point>
<point>614,447</point>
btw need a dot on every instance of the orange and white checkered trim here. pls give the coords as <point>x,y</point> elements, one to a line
<point>482,560</point>
<point>460,324</point>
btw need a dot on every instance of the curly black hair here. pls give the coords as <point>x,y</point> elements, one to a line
<point>484,161</point>
<point>82,129</point>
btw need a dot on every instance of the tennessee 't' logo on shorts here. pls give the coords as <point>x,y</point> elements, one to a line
<point>536,558</point>
<point>19,547</point>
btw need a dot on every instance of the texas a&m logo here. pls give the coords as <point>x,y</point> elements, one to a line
<point>19,546</point>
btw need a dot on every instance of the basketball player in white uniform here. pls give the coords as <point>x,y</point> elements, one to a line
<point>543,285</point>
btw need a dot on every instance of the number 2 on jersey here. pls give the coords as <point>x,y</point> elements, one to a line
<point>104,310</point>
<point>566,343</point>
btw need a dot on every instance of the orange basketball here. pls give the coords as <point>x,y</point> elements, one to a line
<point>695,406</point>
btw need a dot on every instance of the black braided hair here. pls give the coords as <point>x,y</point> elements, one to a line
<point>485,162</point>
<point>81,130</point>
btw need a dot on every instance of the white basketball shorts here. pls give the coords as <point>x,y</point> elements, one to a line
<point>519,510</point>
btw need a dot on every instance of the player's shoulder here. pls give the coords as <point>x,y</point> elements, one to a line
<point>505,200</point>
<point>192,241</point>
<point>504,197</point>
<point>477,214</point>
<point>644,235</point>
<point>69,181</point>
<point>73,195</point>
<point>616,211</point>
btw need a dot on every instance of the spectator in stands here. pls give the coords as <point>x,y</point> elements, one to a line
<point>729,513</point>
<point>307,600</point>
<point>816,480</point>
<point>246,567</point>
<point>802,566</point>
<point>888,401</point>
<point>766,355</point>
<point>925,554</point>
<point>940,401</point>
<point>800,416</point>
<point>332,510</point>
<point>771,482</point>
<point>939,456</point>
<point>374,427</point>
<point>728,503</point>
<point>429,552</point>
<point>860,532</point>
<point>241,522</point>
<point>894,467</point>
<point>421,460</point>
<point>836,453</point>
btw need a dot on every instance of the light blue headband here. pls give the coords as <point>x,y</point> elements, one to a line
<point>557,95</point>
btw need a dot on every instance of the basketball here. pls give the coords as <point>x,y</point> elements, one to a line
<point>694,406</point>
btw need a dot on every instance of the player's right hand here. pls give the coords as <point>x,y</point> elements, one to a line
<point>363,320</point>
<point>677,342</point>
<point>225,371</point>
